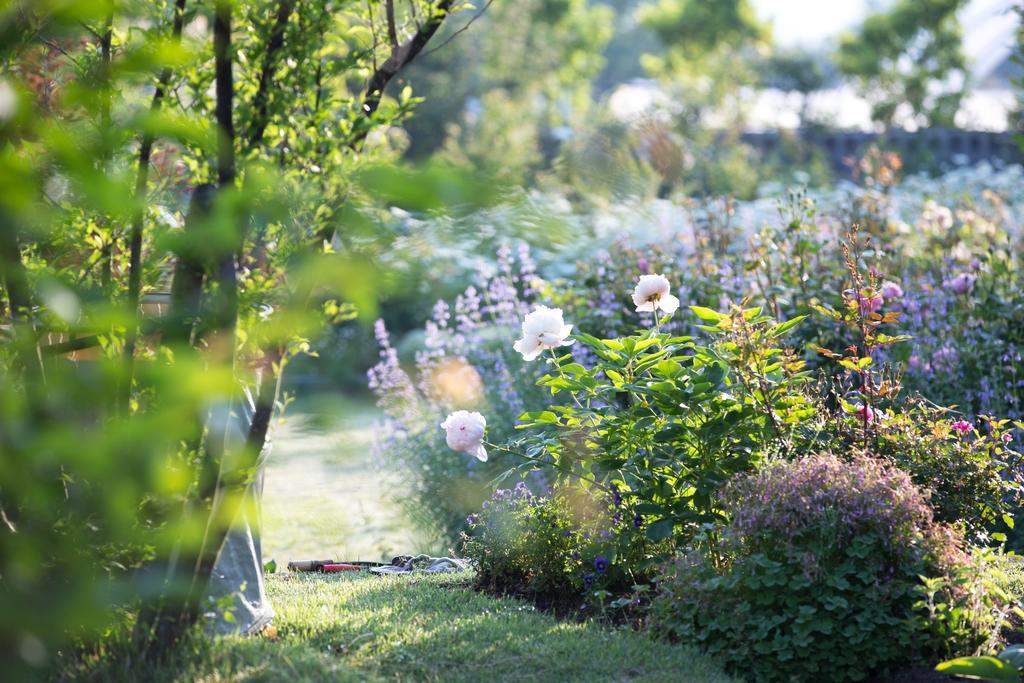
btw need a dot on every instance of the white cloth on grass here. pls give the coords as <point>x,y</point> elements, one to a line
<point>239,566</point>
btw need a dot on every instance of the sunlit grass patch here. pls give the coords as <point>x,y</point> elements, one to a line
<point>417,628</point>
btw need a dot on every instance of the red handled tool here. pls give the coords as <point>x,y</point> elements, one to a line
<point>329,566</point>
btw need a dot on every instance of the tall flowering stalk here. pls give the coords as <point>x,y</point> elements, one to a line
<point>862,314</point>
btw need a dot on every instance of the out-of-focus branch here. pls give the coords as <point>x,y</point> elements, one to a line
<point>400,56</point>
<point>261,100</point>
<point>461,29</point>
<point>106,38</point>
<point>389,9</point>
<point>135,240</point>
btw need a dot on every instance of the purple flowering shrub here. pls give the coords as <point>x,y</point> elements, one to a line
<point>829,569</point>
<point>573,541</point>
<point>464,362</point>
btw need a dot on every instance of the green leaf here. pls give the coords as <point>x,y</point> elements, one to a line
<point>542,417</point>
<point>708,315</point>
<point>980,668</point>
<point>270,567</point>
<point>669,369</point>
<point>780,330</point>
<point>1014,656</point>
<point>660,530</point>
<point>613,344</point>
<point>1008,520</point>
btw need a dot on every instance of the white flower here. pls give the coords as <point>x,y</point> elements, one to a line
<point>652,293</point>
<point>464,432</point>
<point>543,329</point>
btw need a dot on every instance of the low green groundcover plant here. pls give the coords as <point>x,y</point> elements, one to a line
<point>573,542</point>
<point>830,570</point>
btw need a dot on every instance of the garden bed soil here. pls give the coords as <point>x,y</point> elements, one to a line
<point>566,607</point>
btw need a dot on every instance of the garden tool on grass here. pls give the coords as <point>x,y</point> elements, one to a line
<point>330,566</point>
<point>402,564</point>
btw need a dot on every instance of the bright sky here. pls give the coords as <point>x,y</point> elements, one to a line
<point>809,22</point>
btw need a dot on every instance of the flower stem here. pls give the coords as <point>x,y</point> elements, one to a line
<point>538,461</point>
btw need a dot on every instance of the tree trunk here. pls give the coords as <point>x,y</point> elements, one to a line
<point>135,239</point>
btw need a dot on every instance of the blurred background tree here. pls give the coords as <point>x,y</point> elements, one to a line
<point>794,70</point>
<point>908,62</point>
<point>507,104</point>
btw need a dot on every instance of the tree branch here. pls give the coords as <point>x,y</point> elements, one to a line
<point>462,29</point>
<point>187,283</point>
<point>107,253</point>
<point>12,269</point>
<point>214,452</point>
<point>225,91</point>
<point>389,9</point>
<point>261,100</point>
<point>400,57</point>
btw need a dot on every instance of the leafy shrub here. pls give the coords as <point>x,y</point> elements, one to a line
<point>575,540</point>
<point>668,420</point>
<point>816,577</point>
<point>970,470</point>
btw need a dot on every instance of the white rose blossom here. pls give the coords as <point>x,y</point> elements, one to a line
<point>652,293</point>
<point>464,432</point>
<point>543,329</point>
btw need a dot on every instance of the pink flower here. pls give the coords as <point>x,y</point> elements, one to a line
<point>960,284</point>
<point>891,290</point>
<point>866,413</point>
<point>464,432</point>
<point>1007,437</point>
<point>962,426</point>
<point>868,300</point>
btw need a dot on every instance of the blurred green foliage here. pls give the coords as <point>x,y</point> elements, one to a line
<point>172,235</point>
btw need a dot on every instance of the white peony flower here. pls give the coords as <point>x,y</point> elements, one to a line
<point>543,329</point>
<point>464,432</point>
<point>652,293</point>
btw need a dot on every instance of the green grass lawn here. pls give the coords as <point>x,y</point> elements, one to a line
<point>420,628</point>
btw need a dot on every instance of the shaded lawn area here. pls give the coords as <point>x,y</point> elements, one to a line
<point>325,494</point>
<point>422,628</point>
